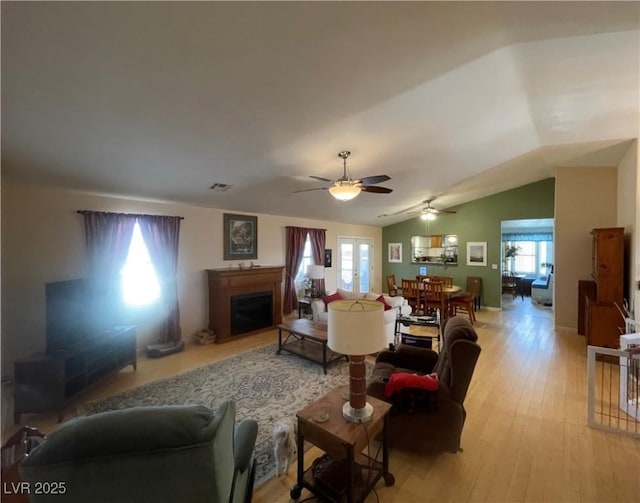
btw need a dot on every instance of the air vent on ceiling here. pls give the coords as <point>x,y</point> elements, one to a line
<point>220,187</point>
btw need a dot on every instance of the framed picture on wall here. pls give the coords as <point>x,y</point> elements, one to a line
<point>240,237</point>
<point>395,252</point>
<point>327,257</point>
<point>477,253</point>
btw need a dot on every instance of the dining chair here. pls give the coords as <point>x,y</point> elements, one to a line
<point>509,284</point>
<point>466,302</point>
<point>434,298</point>
<point>391,285</point>
<point>411,292</point>
<point>447,281</point>
<point>468,288</point>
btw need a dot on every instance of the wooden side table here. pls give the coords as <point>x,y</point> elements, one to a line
<point>304,305</point>
<point>343,440</point>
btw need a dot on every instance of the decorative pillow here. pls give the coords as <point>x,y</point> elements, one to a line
<point>402,380</point>
<point>393,301</point>
<point>386,306</point>
<point>327,299</point>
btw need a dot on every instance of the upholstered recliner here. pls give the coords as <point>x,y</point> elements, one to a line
<point>436,424</point>
<point>147,454</point>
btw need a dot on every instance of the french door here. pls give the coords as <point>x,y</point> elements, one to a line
<point>355,264</point>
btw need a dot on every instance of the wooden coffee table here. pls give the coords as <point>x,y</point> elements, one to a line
<point>307,339</point>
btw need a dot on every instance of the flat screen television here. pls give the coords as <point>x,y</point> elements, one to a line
<point>67,313</point>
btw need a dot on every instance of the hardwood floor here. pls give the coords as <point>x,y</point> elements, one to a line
<point>525,438</point>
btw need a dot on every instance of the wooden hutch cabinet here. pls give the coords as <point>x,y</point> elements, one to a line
<point>603,321</point>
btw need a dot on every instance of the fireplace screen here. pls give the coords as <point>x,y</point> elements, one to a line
<point>251,311</point>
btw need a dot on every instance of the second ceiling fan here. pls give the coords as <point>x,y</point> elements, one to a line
<point>428,212</point>
<point>346,188</point>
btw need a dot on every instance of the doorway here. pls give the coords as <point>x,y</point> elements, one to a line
<point>355,264</point>
<point>527,256</point>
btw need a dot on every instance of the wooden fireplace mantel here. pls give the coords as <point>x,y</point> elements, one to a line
<point>225,283</point>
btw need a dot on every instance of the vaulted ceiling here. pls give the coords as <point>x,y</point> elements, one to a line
<point>454,100</point>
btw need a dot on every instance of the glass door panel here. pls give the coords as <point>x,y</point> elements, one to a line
<point>355,264</point>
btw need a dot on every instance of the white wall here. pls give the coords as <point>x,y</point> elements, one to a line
<point>43,241</point>
<point>585,198</point>
<point>629,214</point>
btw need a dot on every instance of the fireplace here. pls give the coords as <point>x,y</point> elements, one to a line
<point>243,302</point>
<point>251,311</point>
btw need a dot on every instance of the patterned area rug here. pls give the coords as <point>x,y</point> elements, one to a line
<point>264,386</point>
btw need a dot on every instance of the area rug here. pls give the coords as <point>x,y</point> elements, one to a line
<point>264,386</point>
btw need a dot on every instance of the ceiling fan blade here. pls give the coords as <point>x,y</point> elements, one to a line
<point>309,190</point>
<point>443,211</point>
<point>321,178</point>
<point>370,180</point>
<point>376,190</point>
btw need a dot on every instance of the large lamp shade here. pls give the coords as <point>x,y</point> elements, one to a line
<point>315,271</point>
<point>356,328</point>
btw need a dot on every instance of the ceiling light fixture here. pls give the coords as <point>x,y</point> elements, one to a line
<point>344,191</point>
<point>428,216</point>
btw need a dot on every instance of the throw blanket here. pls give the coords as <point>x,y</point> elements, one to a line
<point>402,380</point>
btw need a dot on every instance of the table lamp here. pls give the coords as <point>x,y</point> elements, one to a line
<point>356,329</point>
<point>314,273</point>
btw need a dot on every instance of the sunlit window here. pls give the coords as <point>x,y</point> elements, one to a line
<point>139,280</point>
<point>531,255</point>
<point>307,259</point>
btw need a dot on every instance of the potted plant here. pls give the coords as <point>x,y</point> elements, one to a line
<point>510,253</point>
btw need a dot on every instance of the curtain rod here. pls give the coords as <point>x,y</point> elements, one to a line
<point>84,212</point>
<point>308,228</point>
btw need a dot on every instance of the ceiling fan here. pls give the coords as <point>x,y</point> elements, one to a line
<point>345,188</point>
<point>429,212</point>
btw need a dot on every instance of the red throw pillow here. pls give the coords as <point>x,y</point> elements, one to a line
<point>327,299</point>
<point>401,380</point>
<point>381,299</point>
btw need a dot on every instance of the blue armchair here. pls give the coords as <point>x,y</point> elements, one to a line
<point>542,289</point>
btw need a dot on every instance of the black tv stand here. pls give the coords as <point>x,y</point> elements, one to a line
<point>44,381</point>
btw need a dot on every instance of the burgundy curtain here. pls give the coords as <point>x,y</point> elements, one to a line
<point>296,238</point>
<point>108,237</point>
<point>317,238</point>
<point>161,235</point>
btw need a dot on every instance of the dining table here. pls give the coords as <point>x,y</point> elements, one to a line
<point>447,291</point>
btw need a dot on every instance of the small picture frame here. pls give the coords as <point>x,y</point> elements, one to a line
<point>327,257</point>
<point>477,253</point>
<point>240,237</point>
<point>395,253</point>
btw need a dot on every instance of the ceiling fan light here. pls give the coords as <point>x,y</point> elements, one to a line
<point>428,216</point>
<point>344,192</point>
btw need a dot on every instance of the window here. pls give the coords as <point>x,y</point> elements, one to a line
<point>531,254</point>
<point>140,284</point>
<point>307,260</point>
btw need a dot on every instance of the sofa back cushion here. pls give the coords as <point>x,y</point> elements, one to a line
<point>350,295</point>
